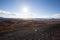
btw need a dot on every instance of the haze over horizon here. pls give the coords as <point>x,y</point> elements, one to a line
<point>30,8</point>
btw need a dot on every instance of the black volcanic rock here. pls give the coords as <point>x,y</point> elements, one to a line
<point>43,33</point>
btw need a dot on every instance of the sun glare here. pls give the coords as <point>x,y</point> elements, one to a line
<point>25,10</point>
<point>25,13</point>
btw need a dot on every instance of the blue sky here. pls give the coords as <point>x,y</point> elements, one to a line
<point>36,8</point>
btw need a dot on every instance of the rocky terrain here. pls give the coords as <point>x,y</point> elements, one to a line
<point>29,30</point>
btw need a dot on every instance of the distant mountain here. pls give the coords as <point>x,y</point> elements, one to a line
<point>37,19</point>
<point>1,17</point>
<point>55,19</point>
<point>47,19</point>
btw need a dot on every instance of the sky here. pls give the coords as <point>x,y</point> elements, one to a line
<point>30,8</point>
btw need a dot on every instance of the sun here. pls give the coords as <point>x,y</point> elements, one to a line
<point>26,14</point>
<point>25,9</point>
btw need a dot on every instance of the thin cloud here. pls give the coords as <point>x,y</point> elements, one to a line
<point>56,16</point>
<point>7,14</point>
